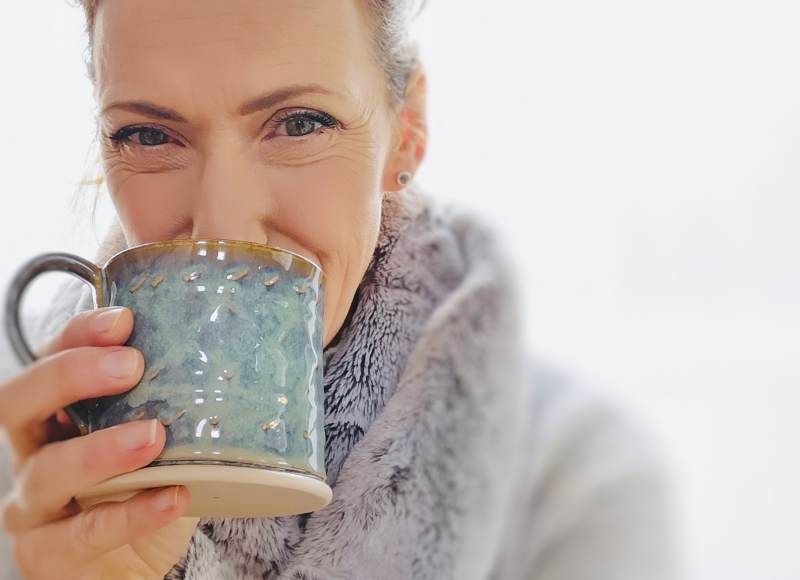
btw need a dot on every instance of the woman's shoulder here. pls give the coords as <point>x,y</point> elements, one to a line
<point>596,488</point>
<point>570,410</point>
<point>576,427</point>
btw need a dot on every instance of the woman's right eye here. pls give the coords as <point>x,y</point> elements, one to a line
<point>148,136</point>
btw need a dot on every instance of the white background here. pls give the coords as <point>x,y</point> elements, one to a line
<point>643,160</point>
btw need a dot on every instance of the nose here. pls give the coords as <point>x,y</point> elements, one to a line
<point>229,201</point>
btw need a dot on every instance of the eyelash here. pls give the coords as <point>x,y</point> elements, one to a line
<point>121,135</point>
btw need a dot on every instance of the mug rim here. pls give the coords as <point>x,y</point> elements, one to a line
<point>216,242</point>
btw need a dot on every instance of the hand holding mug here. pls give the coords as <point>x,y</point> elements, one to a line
<point>229,338</point>
<point>141,537</point>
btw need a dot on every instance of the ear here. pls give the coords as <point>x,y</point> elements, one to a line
<point>410,132</point>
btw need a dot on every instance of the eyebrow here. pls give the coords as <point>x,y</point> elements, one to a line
<point>259,103</point>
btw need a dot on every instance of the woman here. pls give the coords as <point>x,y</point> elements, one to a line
<point>451,455</point>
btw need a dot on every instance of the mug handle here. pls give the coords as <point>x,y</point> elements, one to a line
<point>85,270</point>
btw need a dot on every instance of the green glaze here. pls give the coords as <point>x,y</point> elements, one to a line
<point>233,364</point>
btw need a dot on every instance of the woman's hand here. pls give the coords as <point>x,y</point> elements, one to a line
<point>141,537</point>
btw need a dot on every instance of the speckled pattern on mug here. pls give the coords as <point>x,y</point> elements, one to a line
<point>231,334</point>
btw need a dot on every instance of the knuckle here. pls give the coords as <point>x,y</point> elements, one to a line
<point>48,473</point>
<point>126,515</point>
<point>88,529</point>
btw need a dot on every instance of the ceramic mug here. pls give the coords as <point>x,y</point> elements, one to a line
<point>231,333</point>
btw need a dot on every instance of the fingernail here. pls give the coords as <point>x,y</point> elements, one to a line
<point>166,499</point>
<point>106,320</point>
<point>120,363</point>
<point>137,434</point>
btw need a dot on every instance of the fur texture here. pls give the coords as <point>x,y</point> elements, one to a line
<point>421,392</point>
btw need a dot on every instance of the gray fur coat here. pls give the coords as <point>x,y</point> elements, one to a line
<point>452,454</point>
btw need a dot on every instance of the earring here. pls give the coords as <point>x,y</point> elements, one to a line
<point>403,177</point>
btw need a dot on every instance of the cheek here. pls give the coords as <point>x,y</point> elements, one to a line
<point>150,207</point>
<point>330,206</point>
<point>333,208</point>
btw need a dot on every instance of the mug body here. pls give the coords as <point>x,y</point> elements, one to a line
<point>232,338</point>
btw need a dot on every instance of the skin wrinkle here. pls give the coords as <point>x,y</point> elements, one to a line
<point>318,195</point>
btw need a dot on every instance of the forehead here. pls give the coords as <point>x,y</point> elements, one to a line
<point>237,46</point>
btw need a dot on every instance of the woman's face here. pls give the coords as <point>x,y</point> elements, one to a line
<point>256,120</point>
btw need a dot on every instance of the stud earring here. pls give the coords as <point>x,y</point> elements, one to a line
<point>403,177</point>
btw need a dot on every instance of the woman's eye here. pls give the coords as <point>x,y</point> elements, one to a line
<point>299,126</point>
<point>148,136</point>
<point>302,124</point>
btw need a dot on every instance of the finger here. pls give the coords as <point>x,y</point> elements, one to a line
<point>99,327</point>
<point>59,471</point>
<point>63,418</point>
<point>65,377</point>
<point>60,427</point>
<point>75,541</point>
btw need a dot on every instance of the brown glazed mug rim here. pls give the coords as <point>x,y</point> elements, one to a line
<point>215,242</point>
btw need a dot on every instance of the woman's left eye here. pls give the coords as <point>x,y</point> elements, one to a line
<point>305,123</point>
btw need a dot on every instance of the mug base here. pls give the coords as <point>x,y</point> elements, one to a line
<point>221,490</point>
